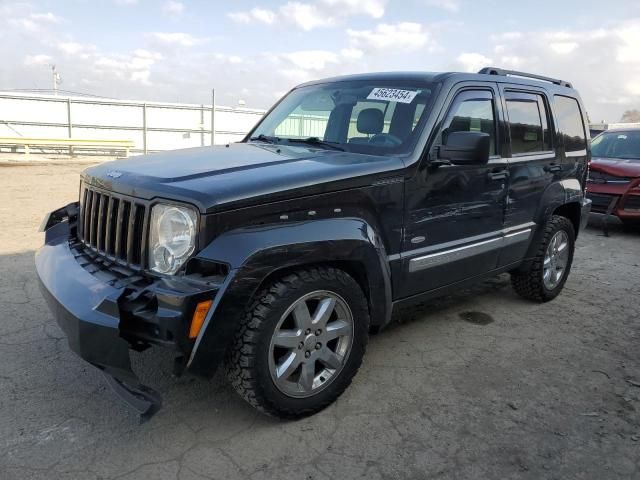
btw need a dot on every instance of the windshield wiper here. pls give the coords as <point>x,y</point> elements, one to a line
<point>265,138</point>
<point>316,141</point>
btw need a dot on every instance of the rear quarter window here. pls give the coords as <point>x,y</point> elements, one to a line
<point>570,124</point>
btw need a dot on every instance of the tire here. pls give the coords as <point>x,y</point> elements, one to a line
<point>536,283</point>
<point>257,364</point>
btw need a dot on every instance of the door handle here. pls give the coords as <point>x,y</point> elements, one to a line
<point>552,167</point>
<point>498,174</point>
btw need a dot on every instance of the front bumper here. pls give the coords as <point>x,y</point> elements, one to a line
<point>104,315</point>
<point>621,200</point>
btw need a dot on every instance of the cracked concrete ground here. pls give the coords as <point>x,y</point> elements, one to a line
<point>544,391</point>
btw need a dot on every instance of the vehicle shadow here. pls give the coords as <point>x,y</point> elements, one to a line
<point>38,367</point>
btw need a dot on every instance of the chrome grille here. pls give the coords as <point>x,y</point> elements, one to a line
<point>113,226</point>
<point>601,177</point>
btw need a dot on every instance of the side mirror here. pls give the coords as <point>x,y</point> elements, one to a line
<point>466,148</point>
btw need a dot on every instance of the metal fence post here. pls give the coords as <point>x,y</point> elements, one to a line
<point>69,125</point>
<point>213,116</point>
<point>144,127</point>
<point>202,125</point>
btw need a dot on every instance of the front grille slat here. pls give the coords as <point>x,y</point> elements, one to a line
<point>119,222</point>
<point>94,219</point>
<point>107,240</point>
<point>114,226</point>
<point>84,213</point>
<point>101,221</point>
<point>131,233</point>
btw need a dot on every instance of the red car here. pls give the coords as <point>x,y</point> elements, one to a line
<point>614,175</point>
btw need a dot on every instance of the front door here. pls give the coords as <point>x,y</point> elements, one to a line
<point>454,213</point>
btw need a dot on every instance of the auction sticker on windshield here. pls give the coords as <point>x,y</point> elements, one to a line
<point>393,95</point>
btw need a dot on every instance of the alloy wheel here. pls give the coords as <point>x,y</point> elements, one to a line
<point>555,260</point>
<point>311,344</point>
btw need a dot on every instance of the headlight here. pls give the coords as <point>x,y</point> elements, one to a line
<point>172,237</point>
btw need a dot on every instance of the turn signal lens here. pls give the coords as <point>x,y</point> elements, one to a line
<point>199,315</point>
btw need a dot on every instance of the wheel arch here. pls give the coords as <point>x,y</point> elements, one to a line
<point>354,268</point>
<point>258,255</point>
<point>571,211</point>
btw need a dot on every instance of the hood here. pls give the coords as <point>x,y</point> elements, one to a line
<point>240,174</point>
<point>619,167</point>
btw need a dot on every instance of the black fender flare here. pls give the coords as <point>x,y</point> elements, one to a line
<point>556,195</point>
<point>255,253</point>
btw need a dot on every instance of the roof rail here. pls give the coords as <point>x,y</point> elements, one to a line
<point>514,73</point>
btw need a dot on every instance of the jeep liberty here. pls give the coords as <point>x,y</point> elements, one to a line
<point>278,255</point>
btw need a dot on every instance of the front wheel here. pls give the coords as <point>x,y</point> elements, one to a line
<point>548,270</point>
<point>301,343</point>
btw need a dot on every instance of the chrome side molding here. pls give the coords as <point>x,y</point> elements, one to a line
<point>506,237</point>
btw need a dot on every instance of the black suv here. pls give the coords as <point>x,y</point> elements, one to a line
<point>278,255</point>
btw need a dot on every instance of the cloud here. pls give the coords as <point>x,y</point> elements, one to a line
<point>41,59</point>
<point>22,17</point>
<point>472,62</point>
<point>305,16</point>
<point>308,16</point>
<point>46,17</point>
<point>173,8</point>
<point>405,36</point>
<point>176,39</point>
<point>370,8</point>
<point>449,5</point>
<point>71,48</point>
<point>603,63</point>
<point>256,14</point>
<point>125,2</point>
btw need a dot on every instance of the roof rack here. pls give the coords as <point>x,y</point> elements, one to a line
<point>514,73</point>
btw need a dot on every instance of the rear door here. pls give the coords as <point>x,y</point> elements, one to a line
<point>533,163</point>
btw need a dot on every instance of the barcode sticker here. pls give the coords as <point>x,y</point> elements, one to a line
<point>393,95</point>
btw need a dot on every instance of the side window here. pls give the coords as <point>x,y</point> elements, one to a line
<point>528,123</point>
<point>570,123</point>
<point>471,111</point>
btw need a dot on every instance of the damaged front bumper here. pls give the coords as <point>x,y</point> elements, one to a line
<point>105,313</point>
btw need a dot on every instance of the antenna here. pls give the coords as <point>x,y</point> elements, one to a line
<point>57,80</point>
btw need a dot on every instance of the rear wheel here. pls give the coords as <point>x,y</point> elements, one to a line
<point>548,271</point>
<point>301,342</point>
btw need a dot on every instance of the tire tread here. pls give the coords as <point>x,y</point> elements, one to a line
<point>529,284</point>
<point>243,354</point>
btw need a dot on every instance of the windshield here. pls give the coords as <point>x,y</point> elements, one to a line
<point>617,145</point>
<point>379,118</point>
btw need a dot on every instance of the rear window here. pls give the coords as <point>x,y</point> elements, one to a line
<point>528,123</point>
<point>570,123</point>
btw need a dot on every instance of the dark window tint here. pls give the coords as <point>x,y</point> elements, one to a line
<point>528,123</point>
<point>472,111</point>
<point>570,123</point>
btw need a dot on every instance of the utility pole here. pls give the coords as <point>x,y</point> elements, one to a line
<point>56,79</point>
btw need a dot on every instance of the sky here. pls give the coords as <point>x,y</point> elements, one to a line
<point>178,50</point>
